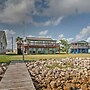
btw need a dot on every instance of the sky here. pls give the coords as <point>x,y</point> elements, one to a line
<point>56,19</point>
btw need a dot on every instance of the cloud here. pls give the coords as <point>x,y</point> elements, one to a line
<point>31,36</point>
<point>9,35</point>
<point>62,37</point>
<point>70,40</point>
<point>17,11</point>
<point>45,36</point>
<point>53,21</point>
<point>67,7</point>
<point>84,34</point>
<point>57,21</point>
<point>43,33</point>
<point>88,40</point>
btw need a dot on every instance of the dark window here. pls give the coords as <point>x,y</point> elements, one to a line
<point>3,47</point>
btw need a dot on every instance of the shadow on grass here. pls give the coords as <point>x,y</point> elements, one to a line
<point>13,54</point>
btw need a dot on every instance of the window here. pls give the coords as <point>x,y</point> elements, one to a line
<point>3,47</point>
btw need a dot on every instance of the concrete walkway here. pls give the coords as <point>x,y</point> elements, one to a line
<point>17,77</point>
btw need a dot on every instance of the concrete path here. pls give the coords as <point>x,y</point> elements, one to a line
<point>17,77</point>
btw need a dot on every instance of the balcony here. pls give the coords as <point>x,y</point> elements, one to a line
<point>42,45</point>
<point>75,47</point>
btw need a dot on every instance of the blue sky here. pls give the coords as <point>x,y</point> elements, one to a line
<point>58,19</point>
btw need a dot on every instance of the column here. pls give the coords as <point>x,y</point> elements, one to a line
<point>77,50</point>
<point>36,50</point>
<point>48,50</point>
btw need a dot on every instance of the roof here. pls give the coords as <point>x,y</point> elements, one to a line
<point>39,39</point>
<point>80,42</point>
<point>2,34</point>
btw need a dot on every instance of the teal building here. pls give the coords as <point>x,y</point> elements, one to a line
<point>79,47</point>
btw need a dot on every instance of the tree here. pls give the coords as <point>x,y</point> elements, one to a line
<point>19,39</point>
<point>64,45</point>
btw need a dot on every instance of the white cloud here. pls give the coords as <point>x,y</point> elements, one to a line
<point>9,35</point>
<point>41,36</point>
<point>84,34</point>
<point>67,7</point>
<point>57,21</point>
<point>53,21</point>
<point>43,33</point>
<point>30,36</point>
<point>20,10</point>
<point>88,40</point>
<point>16,11</point>
<point>70,40</point>
<point>62,37</point>
<point>45,36</point>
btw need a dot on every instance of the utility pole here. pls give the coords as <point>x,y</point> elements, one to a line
<point>12,44</point>
<point>23,41</point>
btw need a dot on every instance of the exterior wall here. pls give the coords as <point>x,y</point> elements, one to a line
<point>41,50</point>
<point>39,46</point>
<point>83,50</point>
<point>89,50</point>
<point>79,48</point>
<point>2,47</point>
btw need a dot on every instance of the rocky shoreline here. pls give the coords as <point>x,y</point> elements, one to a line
<point>60,74</point>
<point>3,68</point>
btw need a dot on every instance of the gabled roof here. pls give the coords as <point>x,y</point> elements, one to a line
<point>2,34</point>
<point>39,39</point>
<point>83,41</point>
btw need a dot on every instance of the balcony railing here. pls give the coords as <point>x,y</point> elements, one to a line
<point>79,47</point>
<point>42,45</point>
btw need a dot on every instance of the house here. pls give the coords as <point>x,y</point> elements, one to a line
<point>3,42</point>
<point>34,45</point>
<point>80,47</point>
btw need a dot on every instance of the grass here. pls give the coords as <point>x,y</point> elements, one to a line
<point>9,57</point>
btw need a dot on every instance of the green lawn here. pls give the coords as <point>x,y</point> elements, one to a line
<point>7,58</point>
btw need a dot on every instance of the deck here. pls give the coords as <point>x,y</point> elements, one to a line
<point>17,77</point>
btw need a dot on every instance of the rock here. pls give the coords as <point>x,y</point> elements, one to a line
<point>53,84</point>
<point>58,82</point>
<point>32,73</point>
<point>49,72</point>
<point>1,71</point>
<point>57,78</point>
<point>40,77</point>
<point>4,64</point>
<point>4,68</point>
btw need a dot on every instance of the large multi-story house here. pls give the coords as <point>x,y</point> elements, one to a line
<point>80,47</point>
<point>3,42</point>
<point>33,45</point>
